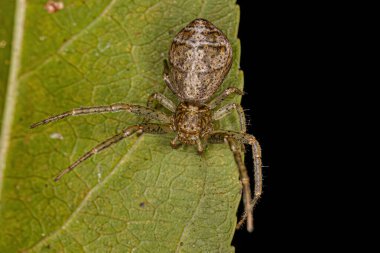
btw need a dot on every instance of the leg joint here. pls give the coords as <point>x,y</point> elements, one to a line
<point>245,180</point>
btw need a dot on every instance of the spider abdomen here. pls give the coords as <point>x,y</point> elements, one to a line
<point>200,58</point>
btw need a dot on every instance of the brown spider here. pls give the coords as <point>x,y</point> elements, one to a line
<point>199,59</point>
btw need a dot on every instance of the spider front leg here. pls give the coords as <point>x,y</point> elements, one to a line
<point>227,109</point>
<point>220,137</point>
<point>161,99</point>
<point>136,109</point>
<point>139,129</point>
<point>167,77</point>
<point>219,99</point>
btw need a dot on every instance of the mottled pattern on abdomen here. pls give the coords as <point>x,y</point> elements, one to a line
<point>200,58</point>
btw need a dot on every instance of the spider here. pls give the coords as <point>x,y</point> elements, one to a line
<point>199,59</point>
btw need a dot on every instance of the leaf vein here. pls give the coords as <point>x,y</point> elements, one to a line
<point>201,199</point>
<point>69,41</point>
<point>87,197</point>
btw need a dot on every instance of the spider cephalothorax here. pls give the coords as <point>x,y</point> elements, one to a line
<point>192,123</point>
<point>199,59</point>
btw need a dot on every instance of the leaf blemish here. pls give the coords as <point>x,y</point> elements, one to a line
<point>58,136</point>
<point>3,43</point>
<point>52,6</point>
<point>99,174</point>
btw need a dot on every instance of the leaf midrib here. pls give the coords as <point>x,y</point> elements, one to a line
<point>15,77</point>
<point>12,85</point>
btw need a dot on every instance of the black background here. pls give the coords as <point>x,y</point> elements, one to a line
<point>303,69</point>
<point>273,51</point>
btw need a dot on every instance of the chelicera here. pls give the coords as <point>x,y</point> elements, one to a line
<point>199,59</point>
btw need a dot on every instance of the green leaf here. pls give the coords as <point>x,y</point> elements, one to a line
<point>140,195</point>
<point>6,22</point>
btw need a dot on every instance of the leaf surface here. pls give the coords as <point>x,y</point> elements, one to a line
<point>138,196</point>
<point>6,22</point>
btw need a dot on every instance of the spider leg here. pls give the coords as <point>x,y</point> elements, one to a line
<point>136,109</point>
<point>227,109</point>
<point>244,178</point>
<point>174,143</point>
<point>164,101</point>
<point>218,137</point>
<point>200,147</point>
<point>143,128</point>
<point>219,99</point>
<point>167,78</point>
